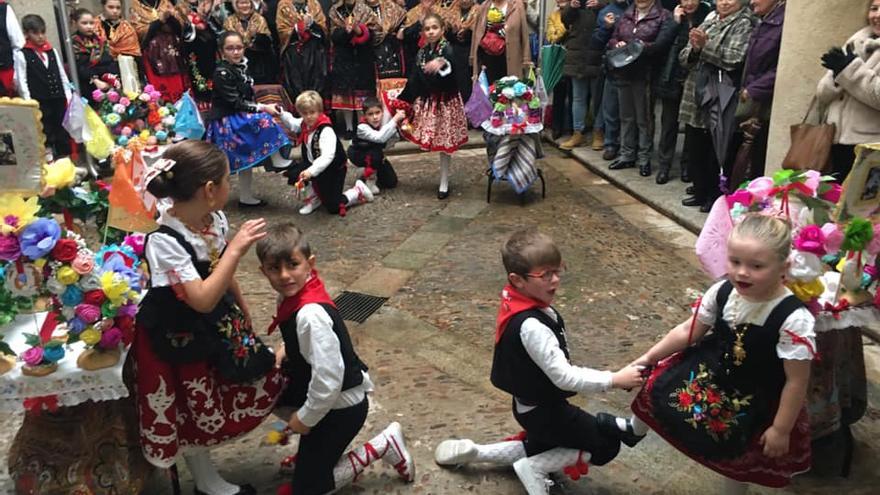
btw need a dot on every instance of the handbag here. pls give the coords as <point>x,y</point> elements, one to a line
<point>625,55</point>
<point>492,43</point>
<point>810,144</point>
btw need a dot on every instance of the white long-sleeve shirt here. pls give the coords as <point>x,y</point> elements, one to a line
<point>543,347</point>
<point>326,143</point>
<point>387,134</point>
<point>21,83</point>
<point>13,29</point>
<point>320,347</point>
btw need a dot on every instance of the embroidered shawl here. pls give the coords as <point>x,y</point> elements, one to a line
<point>122,38</point>
<point>256,24</point>
<point>93,46</point>
<point>290,13</point>
<point>417,13</point>
<point>390,18</point>
<point>143,15</point>
<point>359,14</point>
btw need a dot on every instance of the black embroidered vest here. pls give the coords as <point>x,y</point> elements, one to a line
<point>43,82</point>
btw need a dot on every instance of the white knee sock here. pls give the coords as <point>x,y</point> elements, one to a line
<point>353,463</point>
<point>279,161</point>
<point>245,183</point>
<point>505,453</point>
<point>733,487</point>
<point>638,426</point>
<point>445,160</point>
<point>533,471</point>
<point>205,474</point>
<point>348,115</point>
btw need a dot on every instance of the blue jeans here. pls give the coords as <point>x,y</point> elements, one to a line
<point>611,114</point>
<point>580,102</point>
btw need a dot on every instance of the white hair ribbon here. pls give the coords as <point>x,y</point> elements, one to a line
<point>159,167</point>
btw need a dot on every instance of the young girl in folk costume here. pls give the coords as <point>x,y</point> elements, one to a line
<point>11,39</point>
<point>324,162</point>
<point>386,46</point>
<point>302,29</point>
<point>159,25</point>
<point>352,71</point>
<point>733,399</point>
<point>238,125</point>
<point>258,47</point>
<point>203,378</point>
<point>460,31</point>
<point>438,121</point>
<point>92,52</point>
<point>410,33</point>
<point>200,48</point>
<point>120,35</point>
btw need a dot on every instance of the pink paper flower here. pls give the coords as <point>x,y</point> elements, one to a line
<point>33,356</point>
<point>760,188</point>
<point>810,239</point>
<point>124,101</point>
<point>10,250</point>
<point>135,242</point>
<point>741,196</point>
<point>110,338</point>
<point>833,194</point>
<point>113,96</point>
<point>812,180</point>
<point>833,237</point>
<point>83,263</point>
<point>149,88</point>
<point>88,313</point>
<point>98,95</point>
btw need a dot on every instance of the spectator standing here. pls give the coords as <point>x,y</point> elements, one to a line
<point>501,39</point>
<point>608,113</point>
<point>582,64</point>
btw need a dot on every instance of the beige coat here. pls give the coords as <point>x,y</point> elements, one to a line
<point>516,31</point>
<point>853,97</point>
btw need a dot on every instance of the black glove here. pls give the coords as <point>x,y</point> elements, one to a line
<point>836,60</point>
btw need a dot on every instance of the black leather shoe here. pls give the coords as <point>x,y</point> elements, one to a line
<point>608,425</point>
<point>689,190</point>
<point>685,176</point>
<point>609,154</point>
<point>620,165</point>
<point>662,175</point>
<point>443,194</point>
<point>707,206</point>
<point>252,205</point>
<point>692,201</point>
<point>645,169</point>
<point>242,490</point>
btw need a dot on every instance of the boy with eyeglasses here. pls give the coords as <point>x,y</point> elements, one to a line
<point>531,363</point>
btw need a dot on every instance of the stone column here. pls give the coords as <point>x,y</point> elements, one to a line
<point>811,28</point>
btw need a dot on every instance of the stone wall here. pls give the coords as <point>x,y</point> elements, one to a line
<point>811,27</point>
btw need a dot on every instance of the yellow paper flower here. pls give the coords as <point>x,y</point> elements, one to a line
<point>60,174</point>
<point>163,112</point>
<point>115,288</point>
<point>40,263</point>
<point>274,437</point>
<point>90,336</point>
<point>66,275</point>
<point>495,15</point>
<point>16,212</point>
<point>806,291</point>
<point>144,134</point>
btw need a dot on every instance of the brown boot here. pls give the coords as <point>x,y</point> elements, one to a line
<point>598,140</point>
<point>576,139</point>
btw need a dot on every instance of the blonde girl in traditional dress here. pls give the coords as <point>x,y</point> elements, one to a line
<point>438,122</point>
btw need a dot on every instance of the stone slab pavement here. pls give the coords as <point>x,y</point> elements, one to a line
<point>429,347</point>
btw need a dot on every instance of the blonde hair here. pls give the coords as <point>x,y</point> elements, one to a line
<point>309,100</point>
<point>774,232</point>
<point>527,249</point>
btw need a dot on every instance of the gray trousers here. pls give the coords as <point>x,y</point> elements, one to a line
<point>668,131</point>
<point>636,117</point>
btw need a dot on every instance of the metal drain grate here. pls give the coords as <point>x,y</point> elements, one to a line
<point>354,306</point>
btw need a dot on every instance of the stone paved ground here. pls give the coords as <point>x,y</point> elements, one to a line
<point>429,347</point>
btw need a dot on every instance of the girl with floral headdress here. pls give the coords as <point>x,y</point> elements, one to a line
<point>159,25</point>
<point>302,29</point>
<point>352,71</point>
<point>258,47</point>
<point>438,121</point>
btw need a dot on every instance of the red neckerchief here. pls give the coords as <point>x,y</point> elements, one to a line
<point>45,47</point>
<point>512,302</point>
<point>312,292</point>
<point>305,130</point>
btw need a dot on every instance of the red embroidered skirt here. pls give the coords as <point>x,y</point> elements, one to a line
<point>751,467</point>
<point>188,405</point>
<point>171,86</point>
<point>438,123</point>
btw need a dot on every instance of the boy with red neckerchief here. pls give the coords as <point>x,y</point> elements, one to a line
<point>328,381</point>
<point>531,363</point>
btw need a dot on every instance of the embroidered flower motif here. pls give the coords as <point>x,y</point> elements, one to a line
<point>710,407</point>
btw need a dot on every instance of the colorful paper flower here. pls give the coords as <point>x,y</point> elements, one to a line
<point>39,237</point>
<point>115,287</point>
<point>94,297</point>
<point>112,119</point>
<point>72,296</point>
<point>83,263</point>
<point>67,275</point>
<point>10,250</point>
<point>810,239</point>
<point>833,192</point>
<point>760,188</point>
<point>33,356</point>
<point>125,101</point>
<point>53,353</point>
<point>804,266</point>
<point>75,325</point>
<point>741,196</point>
<point>110,339</point>
<point>65,250</point>
<point>88,313</point>
<point>857,235</point>
<point>59,174</point>
<point>113,96</point>
<point>55,286</point>
<point>89,281</point>
<point>90,336</point>
<point>833,237</point>
<point>135,242</point>
<point>16,212</point>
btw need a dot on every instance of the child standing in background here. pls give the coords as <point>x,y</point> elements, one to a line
<point>92,52</point>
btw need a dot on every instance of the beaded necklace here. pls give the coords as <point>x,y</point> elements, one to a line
<point>431,53</point>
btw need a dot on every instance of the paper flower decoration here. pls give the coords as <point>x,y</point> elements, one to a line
<point>39,237</point>
<point>16,212</point>
<point>59,174</point>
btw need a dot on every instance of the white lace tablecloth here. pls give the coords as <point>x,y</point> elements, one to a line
<point>859,316</point>
<point>70,384</point>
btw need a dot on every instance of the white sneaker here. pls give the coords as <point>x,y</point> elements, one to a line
<point>364,191</point>
<point>396,454</point>
<point>371,183</point>
<point>535,483</point>
<point>455,452</point>
<point>311,205</point>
